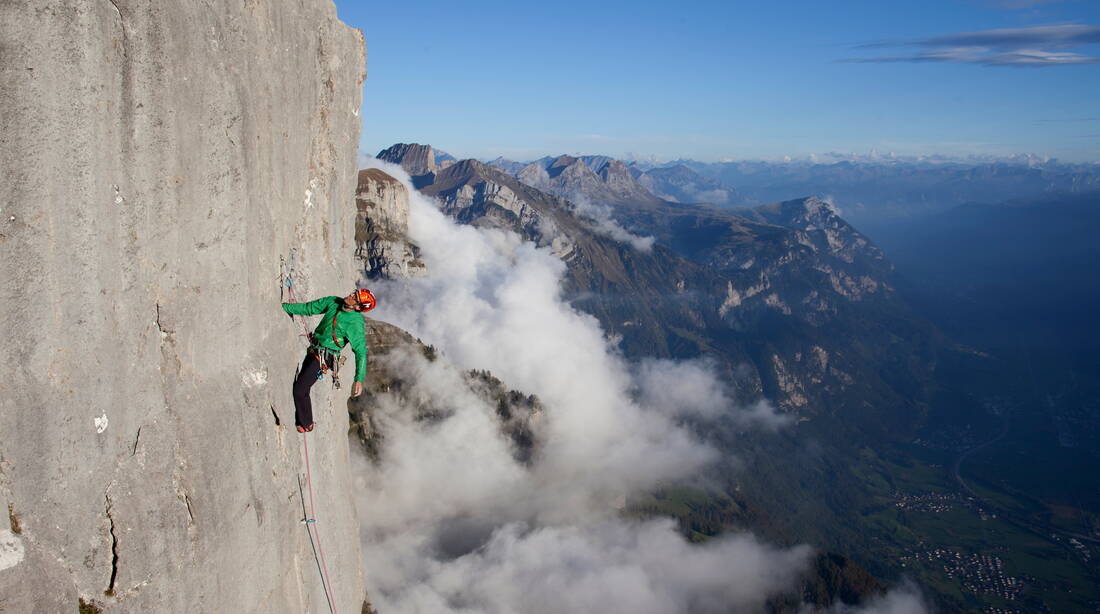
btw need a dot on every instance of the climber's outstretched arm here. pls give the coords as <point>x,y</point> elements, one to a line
<point>311,308</point>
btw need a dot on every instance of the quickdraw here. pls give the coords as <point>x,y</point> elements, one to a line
<point>324,357</point>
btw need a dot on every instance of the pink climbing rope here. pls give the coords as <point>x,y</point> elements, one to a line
<point>312,522</point>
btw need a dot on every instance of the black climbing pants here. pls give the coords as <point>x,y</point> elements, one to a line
<point>307,377</point>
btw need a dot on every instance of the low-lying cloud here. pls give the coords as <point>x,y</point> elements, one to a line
<point>906,599</point>
<point>612,566</point>
<point>1030,47</point>
<point>692,389</point>
<point>452,522</point>
<point>601,222</point>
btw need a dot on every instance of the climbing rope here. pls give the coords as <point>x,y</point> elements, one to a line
<point>286,281</point>
<point>311,529</point>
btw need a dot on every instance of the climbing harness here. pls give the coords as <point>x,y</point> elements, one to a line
<point>325,355</point>
<point>310,520</point>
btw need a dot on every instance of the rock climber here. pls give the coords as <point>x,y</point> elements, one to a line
<point>340,326</point>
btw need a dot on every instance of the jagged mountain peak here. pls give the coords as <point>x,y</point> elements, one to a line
<point>464,171</point>
<point>417,159</point>
<point>801,212</point>
<point>597,163</point>
<point>509,166</point>
<point>596,179</point>
<point>568,166</point>
<point>564,160</point>
<point>615,168</point>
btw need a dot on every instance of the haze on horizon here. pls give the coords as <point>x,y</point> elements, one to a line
<point>712,81</point>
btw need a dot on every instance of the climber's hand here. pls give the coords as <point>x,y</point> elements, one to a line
<point>357,389</point>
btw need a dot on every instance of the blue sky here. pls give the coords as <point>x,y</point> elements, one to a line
<point>718,80</point>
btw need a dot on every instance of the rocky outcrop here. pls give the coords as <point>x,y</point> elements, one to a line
<point>415,158</point>
<point>534,175</point>
<point>387,385</point>
<point>480,195</point>
<point>620,182</point>
<point>822,229</point>
<point>382,228</point>
<point>160,159</point>
<point>421,162</point>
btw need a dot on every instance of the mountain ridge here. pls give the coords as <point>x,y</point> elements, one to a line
<point>730,273</point>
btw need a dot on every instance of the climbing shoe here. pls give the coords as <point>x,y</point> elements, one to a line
<point>306,429</point>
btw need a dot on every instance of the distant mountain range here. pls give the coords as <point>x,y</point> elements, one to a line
<point>596,179</point>
<point>606,180</point>
<point>867,191</point>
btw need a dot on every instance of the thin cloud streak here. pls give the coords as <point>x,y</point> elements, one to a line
<point>1065,36</point>
<point>1032,47</point>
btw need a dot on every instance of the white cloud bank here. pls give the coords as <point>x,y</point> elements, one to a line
<point>906,599</point>
<point>453,523</point>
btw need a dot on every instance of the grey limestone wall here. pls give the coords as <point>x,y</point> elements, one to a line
<point>158,159</point>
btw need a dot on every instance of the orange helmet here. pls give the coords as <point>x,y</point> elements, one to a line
<point>365,299</point>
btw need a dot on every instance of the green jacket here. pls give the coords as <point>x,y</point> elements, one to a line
<point>349,328</point>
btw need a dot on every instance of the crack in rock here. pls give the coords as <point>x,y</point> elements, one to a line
<point>122,24</point>
<point>114,548</point>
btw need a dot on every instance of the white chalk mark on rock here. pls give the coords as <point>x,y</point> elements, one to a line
<point>11,549</point>
<point>254,378</point>
<point>309,193</point>
<point>101,424</point>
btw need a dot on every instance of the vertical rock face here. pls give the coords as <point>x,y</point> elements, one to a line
<point>160,159</point>
<point>382,228</point>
